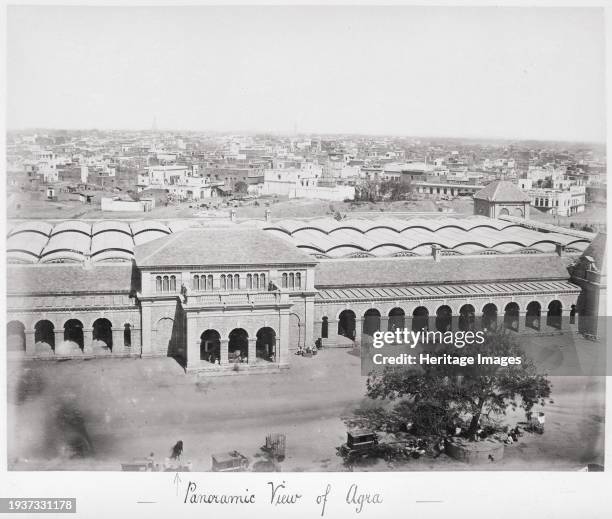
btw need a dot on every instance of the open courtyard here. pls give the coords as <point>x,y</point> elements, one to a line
<point>127,408</point>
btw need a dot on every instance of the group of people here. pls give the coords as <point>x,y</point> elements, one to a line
<point>309,351</point>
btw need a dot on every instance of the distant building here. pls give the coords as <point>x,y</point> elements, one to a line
<point>501,198</point>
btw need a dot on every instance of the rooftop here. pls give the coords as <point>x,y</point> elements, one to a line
<point>501,191</point>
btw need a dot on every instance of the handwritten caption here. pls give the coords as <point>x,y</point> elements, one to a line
<point>279,493</point>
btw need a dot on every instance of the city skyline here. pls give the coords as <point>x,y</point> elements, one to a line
<point>510,74</point>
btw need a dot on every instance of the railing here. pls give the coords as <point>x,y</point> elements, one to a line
<point>239,299</point>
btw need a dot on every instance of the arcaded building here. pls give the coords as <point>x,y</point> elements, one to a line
<point>243,296</point>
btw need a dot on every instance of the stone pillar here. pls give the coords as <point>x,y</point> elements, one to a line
<point>455,322</point>
<point>521,322</point>
<point>30,347</point>
<point>565,320</point>
<point>358,328</point>
<point>252,352</point>
<point>332,332</point>
<point>87,341</point>
<point>309,333</point>
<point>384,323</point>
<point>224,356</point>
<point>118,345</point>
<point>145,328</point>
<point>59,340</point>
<point>193,345</point>
<point>282,340</point>
<point>136,341</point>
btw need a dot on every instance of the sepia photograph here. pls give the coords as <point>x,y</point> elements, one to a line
<point>221,221</point>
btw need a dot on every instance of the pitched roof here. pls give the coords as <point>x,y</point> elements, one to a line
<point>219,246</point>
<point>64,278</point>
<point>451,269</point>
<point>502,191</point>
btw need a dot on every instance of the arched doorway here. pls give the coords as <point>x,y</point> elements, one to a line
<point>444,319</point>
<point>533,315</point>
<point>555,312</point>
<point>467,318</point>
<point>511,317</point>
<point>210,346</point>
<point>265,346</point>
<point>73,332</point>
<point>420,319</point>
<point>518,212</point>
<point>238,345</point>
<point>346,324</point>
<point>397,319</point>
<point>504,212</point>
<point>324,328</point>
<point>489,317</point>
<point>15,336</point>
<point>44,335</point>
<point>371,321</point>
<point>102,334</point>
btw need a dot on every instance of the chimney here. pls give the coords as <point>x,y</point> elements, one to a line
<point>268,215</point>
<point>233,215</point>
<point>436,252</point>
<point>559,248</point>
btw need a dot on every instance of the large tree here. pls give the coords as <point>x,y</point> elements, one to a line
<point>432,397</point>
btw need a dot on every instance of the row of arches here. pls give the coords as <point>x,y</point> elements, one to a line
<point>443,319</point>
<point>45,334</point>
<point>238,346</point>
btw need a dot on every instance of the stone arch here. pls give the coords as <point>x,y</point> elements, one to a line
<point>397,319</point>
<point>102,334</point>
<point>346,324</point>
<point>518,212</point>
<point>238,345</point>
<point>265,346</point>
<point>504,212</point>
<point>554,314</point>
<point>44,335</point>
<point>210,346</point>
<point>371,321</point>
<point>420,318</point>
<point>467,318</point>
<point>15,336</point>
<point>512,316</point>
<point>533,315</point>
<point>73,333</point>
<point>444,318</point>
<point>489,316</point>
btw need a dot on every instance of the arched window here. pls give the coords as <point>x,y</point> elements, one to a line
<point>236,281</point>
<point>255,281</point>
<point>223,283</point>
<point>262,281</point>
<point>166,284</point>
<point>249,281</point>
<point>284,281</point>
<point>195,283</point>
<point>127,335</point>
<point>298,280</point>
<point>209,284</point>
<point>230,282</point>
<point>158,283</point>
<point>291,280</point>
<point>172,283</point>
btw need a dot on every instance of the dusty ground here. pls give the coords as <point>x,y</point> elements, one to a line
<point>130,407</point>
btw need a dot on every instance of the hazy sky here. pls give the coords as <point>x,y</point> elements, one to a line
<point>462,72</point>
